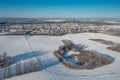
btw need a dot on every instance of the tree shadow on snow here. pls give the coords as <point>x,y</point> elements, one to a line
<point>49,63</point>
<point>27,55</point>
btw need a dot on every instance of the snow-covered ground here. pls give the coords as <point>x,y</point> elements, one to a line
<point>72,52</point>
<point>52,68</point>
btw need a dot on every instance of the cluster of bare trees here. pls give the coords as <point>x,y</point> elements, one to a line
<point>86,59</point>
<point>21,67</point>
<point>4,60</point>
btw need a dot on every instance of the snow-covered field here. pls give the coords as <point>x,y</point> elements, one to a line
<point>52,68</point>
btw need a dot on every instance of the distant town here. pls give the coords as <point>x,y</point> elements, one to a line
<point>58,27</point>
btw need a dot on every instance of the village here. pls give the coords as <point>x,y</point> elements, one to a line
<point>56,28</point>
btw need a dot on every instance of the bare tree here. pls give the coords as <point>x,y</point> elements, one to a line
<point>4,55</point>
<point>0,58</point>
<point>9,71</point>
<point>31,65</point>
<point>18,68</point>
<point>5,73</point>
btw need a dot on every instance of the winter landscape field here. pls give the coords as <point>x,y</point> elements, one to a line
<point>59,39</point>
<point>40,48</point>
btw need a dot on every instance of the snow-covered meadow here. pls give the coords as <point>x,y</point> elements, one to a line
<point>52,69</point>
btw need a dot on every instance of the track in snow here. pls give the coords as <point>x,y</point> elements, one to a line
<point>34,53</point>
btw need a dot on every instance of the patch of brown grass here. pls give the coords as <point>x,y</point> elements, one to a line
<point>99,40</point>
<point>114,49</point>
<point>85,60</point>
<point>91,60</point>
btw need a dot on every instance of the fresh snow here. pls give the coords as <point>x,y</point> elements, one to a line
<point>52,68</point>
<point>72,52</point>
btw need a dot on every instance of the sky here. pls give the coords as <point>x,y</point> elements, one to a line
<point>60,8</point>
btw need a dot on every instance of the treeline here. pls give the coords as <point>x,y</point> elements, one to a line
<point>20,68</point>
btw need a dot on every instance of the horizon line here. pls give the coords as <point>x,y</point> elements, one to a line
<point>64,17</point>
